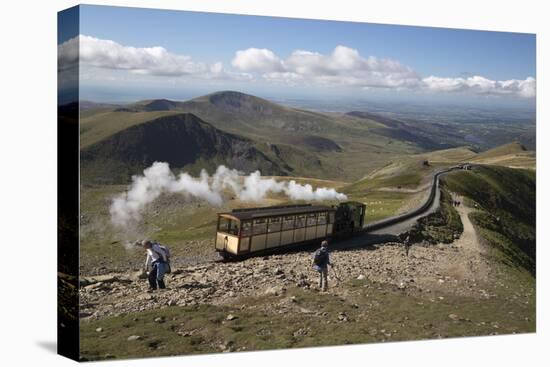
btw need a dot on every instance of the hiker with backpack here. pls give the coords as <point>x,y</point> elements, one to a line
<point>321,261</point>
<point>158,258</point>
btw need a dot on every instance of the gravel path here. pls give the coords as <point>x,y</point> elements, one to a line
<point>469,239</point>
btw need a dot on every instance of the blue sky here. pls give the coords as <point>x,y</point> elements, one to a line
<point>374,60</point>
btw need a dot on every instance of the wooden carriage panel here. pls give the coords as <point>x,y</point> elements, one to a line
<point>311,233</point>
<point>273,239</point>
<point>258,242</point>
<point>231,244</point>
<point>287,237</point>
<point>321,231</point>
<point>299,234</point>
<point>244,245</point>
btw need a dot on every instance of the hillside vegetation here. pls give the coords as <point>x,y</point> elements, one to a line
<point>299,142</point>
<point>180,140</point>
<point>506,215</point>
<point>512,155</point>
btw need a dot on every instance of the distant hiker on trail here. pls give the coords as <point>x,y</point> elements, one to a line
<point>407,244</point>
<point>321,261</point>
<point>158,257</point>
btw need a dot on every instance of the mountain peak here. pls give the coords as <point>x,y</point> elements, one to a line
<point>238,102</point>
<point>161,105</point>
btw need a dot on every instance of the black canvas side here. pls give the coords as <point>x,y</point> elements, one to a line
<point>68,188</point>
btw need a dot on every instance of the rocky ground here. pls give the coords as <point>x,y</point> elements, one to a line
<point>460,268</point>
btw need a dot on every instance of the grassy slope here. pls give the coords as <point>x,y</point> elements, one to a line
<point>362,150</point>
<point>389,188</point>
<point>443,226</point>
<point>98,126</point>
<point>376,313</point>
<point>189,227</point>
<point>510,155</point>
<point>502,150</point>
<point>269,124</point>
<point>505,198</point>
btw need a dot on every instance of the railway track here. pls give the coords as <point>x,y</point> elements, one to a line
<point>429,206</point>
<point>389,229</point>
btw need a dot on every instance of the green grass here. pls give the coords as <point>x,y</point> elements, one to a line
<point>381,204</point>
<point>98,126</point>
<point>506,203</point>
<point>362,150</point>
<point>449,155</point>
<point>404,180</point>
<point>443,226</point>
<point>376,313</point>
<point>507,251</point>
<point>502,150</point>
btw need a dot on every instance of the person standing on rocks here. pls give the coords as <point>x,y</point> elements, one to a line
<point>321,261</point>
<point>158,260</point>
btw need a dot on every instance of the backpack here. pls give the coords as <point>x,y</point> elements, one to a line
<point>319,257</point>
<point>166,251</point>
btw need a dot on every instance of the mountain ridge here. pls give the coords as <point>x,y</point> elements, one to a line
<point>182,140</point>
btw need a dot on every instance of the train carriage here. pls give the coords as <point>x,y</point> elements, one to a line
<point>246,231</point>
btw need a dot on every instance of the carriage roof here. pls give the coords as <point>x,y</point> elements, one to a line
<point>273,211</point>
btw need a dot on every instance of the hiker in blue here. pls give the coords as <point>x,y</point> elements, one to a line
<point>321,261</point>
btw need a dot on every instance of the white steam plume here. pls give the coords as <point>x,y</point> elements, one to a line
<point>157,179</point>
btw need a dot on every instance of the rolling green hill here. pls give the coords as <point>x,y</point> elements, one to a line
<point>105,123</point>
<point>300,142</point>
<point>513,155</point>
<point>182,140</point>
<point>235,112</point>
<point>297,142</point>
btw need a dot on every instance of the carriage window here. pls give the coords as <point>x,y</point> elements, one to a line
<point>322,219</point>
<point>260,226</point>
<point>246,229</point>
<point>331,217</point>
<point>300,221</point>
<point>288,223</point>
<point>274,225</point>
<point>230,226</point>
<point>311,220</point>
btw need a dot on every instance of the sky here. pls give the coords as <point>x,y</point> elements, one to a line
<point>130,54</point>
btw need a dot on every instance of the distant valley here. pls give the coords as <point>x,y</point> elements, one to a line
<point>250,133</point>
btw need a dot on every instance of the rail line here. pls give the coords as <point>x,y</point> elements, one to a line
<point>434,194</point>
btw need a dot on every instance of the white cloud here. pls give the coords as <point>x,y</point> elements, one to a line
<point>157,61</point>
<point>480,85</point>
<point>344,66</point>
<point>257,60</point>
